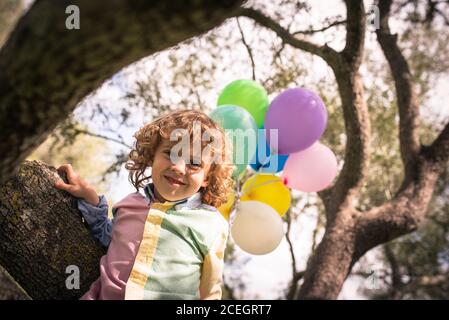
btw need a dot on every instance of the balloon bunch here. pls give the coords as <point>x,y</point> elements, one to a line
<point>286,134</point>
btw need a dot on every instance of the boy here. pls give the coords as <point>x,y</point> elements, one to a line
<point>170,243</point>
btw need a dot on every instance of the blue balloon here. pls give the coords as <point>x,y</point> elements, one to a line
<point>263,161</point>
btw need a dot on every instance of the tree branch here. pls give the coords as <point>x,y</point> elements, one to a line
<point>399,216</point>
<point>294,283</point>
<point>248,48</point>
<point>46,69</point>
<point>406,96</point>
<point>312,31</point>
<point>355,31</point>
<point>438,152</point>
<point>355,113</point>
<point>445,18</point>
<point>403,214</point>
<point>396,281</point>
<point>325,52</point>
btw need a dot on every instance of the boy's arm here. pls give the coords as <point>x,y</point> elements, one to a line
<point>212,271</point>
<point>93,207</point>
<point>97,219</point>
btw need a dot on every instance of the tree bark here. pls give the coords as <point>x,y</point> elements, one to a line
<point>46,69</point>
<point>42,233</point>
<point>9,289</point>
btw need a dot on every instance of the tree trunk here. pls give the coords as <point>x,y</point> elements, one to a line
<point>42,233</point>
<point>330,264</point>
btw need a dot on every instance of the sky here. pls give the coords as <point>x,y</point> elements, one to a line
<point>267,274</point>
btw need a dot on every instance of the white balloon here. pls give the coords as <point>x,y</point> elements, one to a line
<point>257,227</point>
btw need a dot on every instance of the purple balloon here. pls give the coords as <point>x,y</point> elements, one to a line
<point>300,117</point>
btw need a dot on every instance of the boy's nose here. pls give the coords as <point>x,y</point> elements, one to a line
<point>179,166</point>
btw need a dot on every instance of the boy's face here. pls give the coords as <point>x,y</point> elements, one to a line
<point>176,181</point>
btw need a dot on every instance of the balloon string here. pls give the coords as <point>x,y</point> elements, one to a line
<point>237,199</point>
<point>250,188</point>
<point>234,206</point>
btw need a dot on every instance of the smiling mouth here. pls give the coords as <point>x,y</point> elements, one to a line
<point>174,181</point>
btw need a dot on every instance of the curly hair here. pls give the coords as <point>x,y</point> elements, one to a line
<point>148,138</point>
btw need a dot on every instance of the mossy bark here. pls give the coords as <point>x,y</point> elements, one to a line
<point>42,233</point>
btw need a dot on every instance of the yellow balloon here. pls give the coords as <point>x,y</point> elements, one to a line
<point>225,208</point>
<point>269,189</point>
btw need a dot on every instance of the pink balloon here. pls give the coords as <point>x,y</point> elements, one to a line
<point>310,170</point>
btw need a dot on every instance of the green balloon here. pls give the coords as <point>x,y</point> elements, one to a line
<point>231,119</point>
<point>247,94</point>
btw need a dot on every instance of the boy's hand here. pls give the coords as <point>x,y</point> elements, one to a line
<point>76,186</point>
